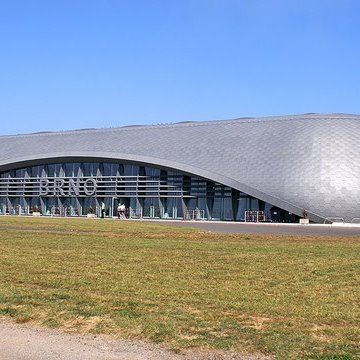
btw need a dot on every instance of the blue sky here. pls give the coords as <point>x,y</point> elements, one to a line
<point>70,64</point>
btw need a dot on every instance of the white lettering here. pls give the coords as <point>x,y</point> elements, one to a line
<point>74,186</point>
<point>67,187</point>
<point>58,187</point>
<point>90,187</point>
<point>44,187</point>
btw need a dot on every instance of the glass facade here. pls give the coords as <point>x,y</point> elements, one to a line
<point>78,189</point>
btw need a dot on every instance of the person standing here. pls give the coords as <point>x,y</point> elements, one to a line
<point>122,211</point>
<point>102,209</point>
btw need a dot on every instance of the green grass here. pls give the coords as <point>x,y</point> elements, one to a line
<point>290,297</point>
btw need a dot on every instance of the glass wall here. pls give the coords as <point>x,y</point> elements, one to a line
<point>78,189</point>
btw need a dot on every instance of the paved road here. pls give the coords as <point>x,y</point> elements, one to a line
<point>243,228</point>
<point>25,342</point>
<point>283,229</point>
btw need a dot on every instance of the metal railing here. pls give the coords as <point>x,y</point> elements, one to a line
<point>254,216</point>
<point>134,213</point>
<point>195,214</point>
<point>331,220</point>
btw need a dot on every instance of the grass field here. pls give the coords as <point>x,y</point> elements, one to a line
<point>289,297</point>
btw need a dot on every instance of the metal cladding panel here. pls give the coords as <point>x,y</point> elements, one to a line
<point>299,162</point>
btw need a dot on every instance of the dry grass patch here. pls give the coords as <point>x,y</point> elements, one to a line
<point>291,297</point>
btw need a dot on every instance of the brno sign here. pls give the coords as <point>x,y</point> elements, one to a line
<point>67,187</point>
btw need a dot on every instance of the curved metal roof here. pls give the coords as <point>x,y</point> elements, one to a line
<point>309,161</point>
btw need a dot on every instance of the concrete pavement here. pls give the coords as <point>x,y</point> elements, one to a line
<point>272,228</point>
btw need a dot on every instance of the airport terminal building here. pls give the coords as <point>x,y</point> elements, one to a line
<point>248,169</point>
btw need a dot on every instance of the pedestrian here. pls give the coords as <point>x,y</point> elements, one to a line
<point>122,211</point>
<point>102,209</point>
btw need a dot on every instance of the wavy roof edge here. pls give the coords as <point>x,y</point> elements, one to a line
<point>191,123</point>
